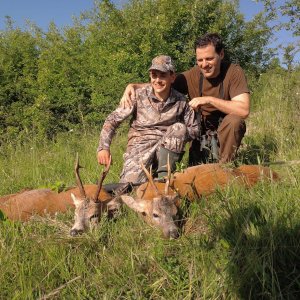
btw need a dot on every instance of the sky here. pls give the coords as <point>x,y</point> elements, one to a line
<point>61,12</point>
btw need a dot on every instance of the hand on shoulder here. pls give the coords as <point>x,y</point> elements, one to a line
<point>128,96</point>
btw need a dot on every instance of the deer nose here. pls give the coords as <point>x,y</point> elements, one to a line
<point>173,234</point>
<point>75,232</point>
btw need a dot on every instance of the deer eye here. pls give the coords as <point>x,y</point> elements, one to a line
<point>143,213</point>
<point>155,216</point>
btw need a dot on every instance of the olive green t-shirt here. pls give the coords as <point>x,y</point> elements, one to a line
<point>232,76</point>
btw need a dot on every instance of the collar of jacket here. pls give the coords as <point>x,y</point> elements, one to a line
<point>171,99</point>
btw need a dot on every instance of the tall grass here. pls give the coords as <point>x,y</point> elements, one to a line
<point>237,244</point>
<point>35,163</point>
<point>273,125</point>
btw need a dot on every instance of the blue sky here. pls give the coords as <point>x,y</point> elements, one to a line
<point>42,12</point>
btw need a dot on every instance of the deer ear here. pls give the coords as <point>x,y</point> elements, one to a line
<point>76,201</point>
<point>176,201</point>
<point>137,206</point>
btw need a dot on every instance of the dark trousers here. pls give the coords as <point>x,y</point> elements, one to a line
<point>230,133</point>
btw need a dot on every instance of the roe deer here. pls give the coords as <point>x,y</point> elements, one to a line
<point>157,206</point>
<point>192,183</point>
<point>88,207</point>
<point>156,202</point>
<point>25,204</point>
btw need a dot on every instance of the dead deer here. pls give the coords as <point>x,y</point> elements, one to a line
<point>90,201</point>
<point>192,183</point>
<point>25,204</point>
<point>158,202</point>
<point>159,209</point>
<point>88,209</point>
<point>203,180</point>
<point>157,206</point>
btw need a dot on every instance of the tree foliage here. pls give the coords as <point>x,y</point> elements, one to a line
<point>285,16</point>
<point>291,9</point>
<point>73,77</point>
<point>18,77</point>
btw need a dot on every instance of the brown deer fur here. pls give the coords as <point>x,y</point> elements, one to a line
<point>204,179</point>
<point>22,206</point>
<point>194,181</point>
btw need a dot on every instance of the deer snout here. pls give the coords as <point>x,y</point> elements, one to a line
<point>174,234</point>
<point>171,233</point>
<point>75,232</point>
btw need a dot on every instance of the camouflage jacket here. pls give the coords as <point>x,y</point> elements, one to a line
<point>150,117</point>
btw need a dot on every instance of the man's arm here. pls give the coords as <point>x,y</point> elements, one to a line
<point>238,105</point>
<point>129,94</point>
<point>110,125</point>
<point>191,123</point>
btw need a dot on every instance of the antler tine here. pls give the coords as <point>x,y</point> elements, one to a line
<point>150,178</point>
<point>102,177</point>
<point>169,177</point>
<point>78,180</point>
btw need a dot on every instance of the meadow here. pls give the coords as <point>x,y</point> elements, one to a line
<point>236,244</point>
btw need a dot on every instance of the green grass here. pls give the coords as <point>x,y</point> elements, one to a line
<point>237,244</point>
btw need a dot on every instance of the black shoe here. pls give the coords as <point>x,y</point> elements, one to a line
<point>118,188</point>
<point>160,179</point>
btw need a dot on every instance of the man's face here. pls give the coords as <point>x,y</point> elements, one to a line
<point>161,81</point>
<point>209,61</point>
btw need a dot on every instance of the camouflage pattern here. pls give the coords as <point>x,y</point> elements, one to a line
<point>162,63</point>
<point>154,123</point>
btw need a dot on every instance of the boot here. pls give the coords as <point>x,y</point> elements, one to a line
<point>163,155</point>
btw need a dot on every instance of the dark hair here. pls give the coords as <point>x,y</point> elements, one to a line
<point>210,39</point>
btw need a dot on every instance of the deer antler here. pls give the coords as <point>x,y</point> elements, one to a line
<point>150,178</point>
<point>78,180</point>
<point>102,177</point>
<point>169,177</point>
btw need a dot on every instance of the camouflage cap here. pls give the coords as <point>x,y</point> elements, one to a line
<point>162,63</point>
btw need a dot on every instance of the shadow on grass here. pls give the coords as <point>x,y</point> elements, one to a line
<point>255,152</point>
<point>265,256</point>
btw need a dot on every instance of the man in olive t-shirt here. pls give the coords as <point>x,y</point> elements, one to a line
<point>218,91</point>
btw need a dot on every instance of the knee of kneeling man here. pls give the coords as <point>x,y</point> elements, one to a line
<point>176,130</point>
<point>233,121</point>
<point>179,127</point>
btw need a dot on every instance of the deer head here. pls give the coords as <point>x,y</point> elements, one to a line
<point>87,210</point>
<point>159,211</point>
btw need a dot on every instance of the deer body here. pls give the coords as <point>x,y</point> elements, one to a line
<point>192,183</point>
<point>156,202</point>
<point>203,180</point>
<point>22,206</point>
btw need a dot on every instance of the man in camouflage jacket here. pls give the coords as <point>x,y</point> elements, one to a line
<point>162,122</point>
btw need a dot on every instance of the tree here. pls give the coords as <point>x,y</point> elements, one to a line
<point>18,72</point>
<point>73,77</point>
<point>287,18</point>
<point>288,56</point>
<point>62,81</point>
<point>145,28</point>
<point>291,9</point>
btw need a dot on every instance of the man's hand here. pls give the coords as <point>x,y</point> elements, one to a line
<point>197,102</point>
<point>128,96</point>
<point>239,105</point>
<point>103,157</point>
